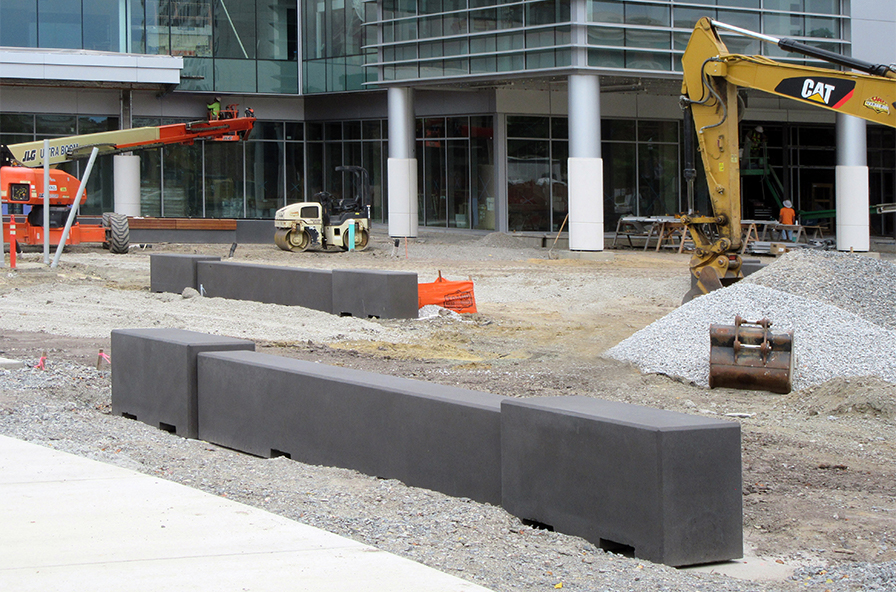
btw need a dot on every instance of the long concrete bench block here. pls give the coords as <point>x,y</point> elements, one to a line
<point>272,284</point>
<point>174,272</point>
<point>154,375</point>
<point>368,293</point>
<point>427,435</point>
<point>663,485</point>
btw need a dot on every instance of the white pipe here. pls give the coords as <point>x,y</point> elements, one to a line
<point>745,32</point>
<point>46,204</point>
<point>75,207</point>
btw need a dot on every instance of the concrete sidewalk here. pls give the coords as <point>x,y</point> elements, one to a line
<point>69,523</point>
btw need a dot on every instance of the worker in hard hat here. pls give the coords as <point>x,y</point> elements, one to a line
<point>214,108</point>
<point>754,145</point>
<point>787,216</point>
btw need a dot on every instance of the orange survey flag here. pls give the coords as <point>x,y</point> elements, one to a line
<point>456,296</point>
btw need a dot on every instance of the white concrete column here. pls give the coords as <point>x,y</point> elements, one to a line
<point>126,184</point>
<point>852,189</point>
<point>586,186</point>
<point>402,164</point>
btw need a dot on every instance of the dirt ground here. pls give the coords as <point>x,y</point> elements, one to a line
<point>819,482</point>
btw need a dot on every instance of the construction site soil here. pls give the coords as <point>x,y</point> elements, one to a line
<point>819,481</point>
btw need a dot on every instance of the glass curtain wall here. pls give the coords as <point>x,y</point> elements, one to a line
<point>882,177</point>
<point>455,172</point>
<point>334,41</point>
<point>537,176</point>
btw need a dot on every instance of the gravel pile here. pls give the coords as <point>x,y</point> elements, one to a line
<point>829,341</point>
<point>862,285</point>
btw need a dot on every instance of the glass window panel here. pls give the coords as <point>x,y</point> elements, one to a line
<point>455,47</point>
<point>657,180</point>
<point>458,187</point>
<point>782,25</point>
<point>277,30</point>
<point>294,130</point>
<point>657,131</point>
<point>482,171</point>
<point>267,130</point>
<point>620,180</point>
<point>182,195</point>
<point>509,41</point>
<point>483,44</point>
<point>352,130</point>
<point>430,6</point>
<point>18,23</point>
<point>408,71</point>
<point>224,180</point>
<point>823,6</point>
<point>433,69</point>
<point>483,20</point>
<point>60,24</point>
<point>647,61</point>
<point>99,188</point>
<point>647,14</point>
<point>528,185</point>
<point>744,20</point>
<point>191,28</point>
<point>743,45</point>
<point>822,27</point>
<point>333,131</point>
<point>606,12</point>
<point>542,13</point>
<point>314,131</point>
<point>560,128</point>
<point>406,30</point>
<point>483,65</point>
<point>430,49</point>
<point>102,29</point>
<point>430,27</point>
<point>354,73</point>
<point>511,63</point>
<point>606,58</point>
<point>559,183</point>
<point>16,123</point>
<point>618,130</point>
<point>680,41</point>
<point>651,39</point>
<point>606,36</point>
<point>456,67</point>
<point>510,17</point>
<point>295,172</point>
<point>737,3</point>
<point>151,183</point>
<point>540,38</point>
<point>235,75</point>
<point>278,77</point>
<point>458,127</point>
<point>371,129</point>
<point>788,5</point>
<point>456,24</point>
<point>234,30</point>
<point>264,179</point>
<point>686,18</point>
<point>336,73</point>
<point>536,60</point>
<point>96,124</point>
<point>55,125</point>
<point>525,126</point>
<point>158,38</point>
<point>315,77</point>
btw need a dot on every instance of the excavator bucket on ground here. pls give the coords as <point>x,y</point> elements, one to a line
<point>747,355</point>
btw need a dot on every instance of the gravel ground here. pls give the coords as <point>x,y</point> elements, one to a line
<point>67,406</point>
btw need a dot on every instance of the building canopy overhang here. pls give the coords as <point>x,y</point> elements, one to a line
<point>88,69</point>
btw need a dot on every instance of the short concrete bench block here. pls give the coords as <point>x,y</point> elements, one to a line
<point>427,435</point>
<point>154,375</point>
<point>272,284</point>
<point>174,272</point>
<point>665,486</point>
<point>368,293</point>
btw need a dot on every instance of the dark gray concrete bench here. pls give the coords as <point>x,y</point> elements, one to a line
<point>665,486</point>
<point>174,272</point>
<point>368,293</point>
<point>273,284</point>
<point>427,435</point>
<point>154,375</point>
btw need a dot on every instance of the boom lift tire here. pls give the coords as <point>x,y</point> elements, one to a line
<point>118,233</point>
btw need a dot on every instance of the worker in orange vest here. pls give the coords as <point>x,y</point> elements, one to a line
<point>787,216</point>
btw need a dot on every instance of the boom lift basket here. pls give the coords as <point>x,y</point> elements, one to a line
<point>748,355</point>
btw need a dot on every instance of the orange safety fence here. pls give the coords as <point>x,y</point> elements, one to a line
<point>456,296</point>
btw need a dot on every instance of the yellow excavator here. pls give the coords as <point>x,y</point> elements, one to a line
<point>709,99</point>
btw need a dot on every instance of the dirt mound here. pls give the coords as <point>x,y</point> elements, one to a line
<point>867,395</point>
